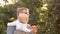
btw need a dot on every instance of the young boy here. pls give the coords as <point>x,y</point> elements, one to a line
<point>23,23</point>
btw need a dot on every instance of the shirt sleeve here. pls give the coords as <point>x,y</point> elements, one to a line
<point>23,28</point>
<point>11,24</point>
<point>26,29</point>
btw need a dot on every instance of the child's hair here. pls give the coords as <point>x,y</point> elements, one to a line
<point>23,15</point>
<point>33,23</point>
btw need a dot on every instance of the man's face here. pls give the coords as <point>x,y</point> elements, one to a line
<point>24,11</point>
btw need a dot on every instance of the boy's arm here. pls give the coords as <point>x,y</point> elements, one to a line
<point>11,24</point>
<point>24,28</point>
<point>27,30</point>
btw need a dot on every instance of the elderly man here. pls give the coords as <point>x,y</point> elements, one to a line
<point>11,26</point>
<point>19,11</point>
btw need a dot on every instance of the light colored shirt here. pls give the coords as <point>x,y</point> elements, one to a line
<point>12,23</point>
<point>20,26</point>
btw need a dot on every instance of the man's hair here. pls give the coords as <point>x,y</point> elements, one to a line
<point>20,9</point>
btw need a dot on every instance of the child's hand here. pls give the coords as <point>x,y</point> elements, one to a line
<point>34,28</point>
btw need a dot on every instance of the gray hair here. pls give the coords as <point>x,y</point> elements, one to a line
<point>22,8</point>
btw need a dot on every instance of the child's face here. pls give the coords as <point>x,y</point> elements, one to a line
<point>23,19</point>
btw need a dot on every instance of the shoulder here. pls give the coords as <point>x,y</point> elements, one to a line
<point>12,23</point>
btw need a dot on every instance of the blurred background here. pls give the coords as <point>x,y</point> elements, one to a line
<point>45,13</point>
